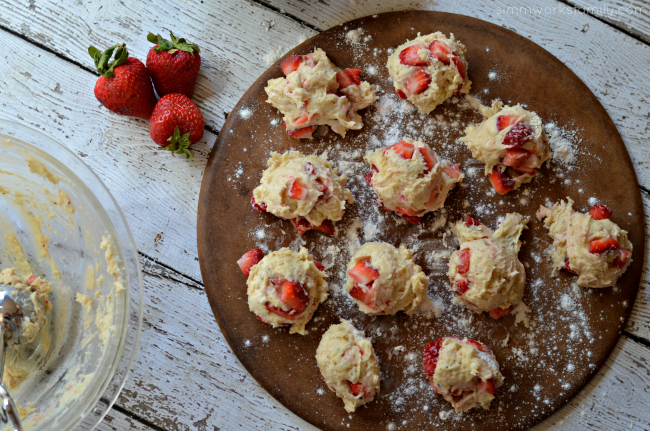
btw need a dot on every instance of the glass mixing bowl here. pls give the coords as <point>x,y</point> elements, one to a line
<point>58,221</point>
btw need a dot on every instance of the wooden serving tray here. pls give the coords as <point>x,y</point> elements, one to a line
<point>572,330</point>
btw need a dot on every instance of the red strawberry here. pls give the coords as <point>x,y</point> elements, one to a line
<point>301,120</point>
<point>504,121</point>
<point>600,212</point>
<point>304,132</point>
<point>501,182</point>
<point>463,260</point>
<point>471,222</point>
<point>515,158</point>
<point>462,286</point>
<point>406,211</point>
<point>440,50</point>
<point>173,65</point>
<point>410,219</point>
<point>461,66</point>
<point>249,260</point>
<point>358,389</point>
<point>409,56</point>
<point>621,260</point>
<point>176,123</point>
<point>367,297</point>
<point>256,206</point>
<point>302,225</point>
<point>488,386</point>
<point>417,83</point>
<point>298,191</point>
<point>364,273</point>
<point>319,265</point>
<point>431,353</point>
<point>291,314</point>
<point>290,64</point>
<point>403,148</point>
<point>599,246</point>
<point>124,86</point>
<point>294,295</point>
<point>347,77</point>
<point>481,347</point>
<point>326,227</point>
<point>452,171</point>
<point>430,159</point>
<point>497,313</point>
<point>518,136</point>
<point>368,176</point>
<point>566,267</point>
<point>401,94</point>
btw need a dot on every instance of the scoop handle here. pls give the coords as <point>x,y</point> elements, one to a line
<point>8,411</point>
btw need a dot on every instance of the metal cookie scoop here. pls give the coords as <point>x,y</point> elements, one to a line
<point>16,307</point>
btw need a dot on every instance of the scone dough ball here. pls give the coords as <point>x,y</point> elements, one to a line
<point>284,287</point>
<point>589,245</point>
<point>464,372</point>
<point>429,69</point>
<point>348,364</point>
<point>384,280</point>
<point>303,189</point>
<point>511,142</point>
<point>485,273</point>
<point>410,179</point>
<point>316,92</point>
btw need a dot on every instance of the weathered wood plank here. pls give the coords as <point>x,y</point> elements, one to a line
<point>631,15</point>
<point>118,421</point>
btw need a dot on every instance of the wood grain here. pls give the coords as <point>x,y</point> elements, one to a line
<point>632,16</point>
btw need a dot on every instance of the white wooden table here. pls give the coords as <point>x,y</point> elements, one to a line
<point>185,377</point>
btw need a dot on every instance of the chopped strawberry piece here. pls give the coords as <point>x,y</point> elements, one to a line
<point>409,56</point>
<point>488,386</point>
<point>518,136</point>
<point>326,227</point>
<point>309,168</point>
<point>497,313</point>
<point>406,211</point>
<point>368,176</point>
<point>304,132</point>
<point>354,73</point>
<point>260,319</point>
<point>462,286</point>
<point>256,206</point>
<point>430,159</point>
<point>481,347</point>
<point>431,353</point>
<point>403,148</point>
<point>309,59</point>
<point>401,94</point>
<point>359,389</point>
<point>298,191</point>
<point>410,219</point>
<point>249,260</point>
<point>348,77</point>
<point>501,182</point>
<point>301,120</point>
<point>622,258</point>
<point>566,267</point>
<point>515,158</point>
<point>367,297</point>
<point>463,260</point>
<point>294,295</point>
<point>471,222</point>
<point>452,171</point>
<point>600,212</point>
<point>363,273</point>
<point>302,225</point>
<point>291,314</point>
<point>461,66</point>
<point>417,83</point>
<point>599,246</point>
<point>290,64</point>
<point>504,121</point>
<point>30,279</point>
<point>440,50</point>
<point>319,265</point>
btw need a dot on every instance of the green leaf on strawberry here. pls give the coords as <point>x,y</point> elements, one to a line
<point>104,66</point>
<point>179,144</point>
<point>174,45</point>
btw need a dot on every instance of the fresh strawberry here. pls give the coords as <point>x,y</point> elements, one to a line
<point>621,260</point>
<point>368,176</point>
<point>409,56</point>
<point>599,246</point>
<point>430,159</point>
<point>515,158</point>
<point>481,347</point>
<point>359,389</point>
<point>291,314</point>
<point>326,227</point>
<point>365,294</point>
<point>304,132</point>
<point>256,206</point>
<point>461,66</point>
<point>518,136</point>
<point>469,222</point>
<point>406,211</point>
<point>501,182</point>
<point>440,50</point>
<point>417,83</point>
<point>31,279</point>
<point>301,120</point>
<point>363,273</point>
<point>600,212</point>
<point>309,59</point>
<point>290,64</point>
<point>463,260</point>
<point>431,353</point>
<point>497,313</point>
<point>488,386</point>
<point>176,123</point>
<point>302,225</point>
<point>124,86</point>
<point>294,295</point>
<point>173,65</point>
<point>504,121</point>
<point>249,260</point>
<point>347,77</point>
<point>408,218</point>
<point>462,286</point>
<point>401,94</point>
<point>298,191</point>
<point>529,166</point>
<point>319,265</point>
<point>452,171</point>
<point>403,148</point>
<point>566,267</point>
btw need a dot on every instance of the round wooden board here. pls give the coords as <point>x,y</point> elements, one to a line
<point>572,330</point>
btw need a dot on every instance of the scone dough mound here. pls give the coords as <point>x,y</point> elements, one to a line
<point>285,288</point>
<point>384,280</point>
<point>348,364</point>
<point>429,69</point>
<point>589,245</point>
<point>316,92</point>
<point>464,372</point>
<point>304,189</point>
<point>486,274</point>
<point>511,142</point>
<point>410,179</point>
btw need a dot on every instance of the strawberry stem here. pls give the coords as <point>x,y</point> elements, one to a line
<point>179,144</point>
<point>102,59</point>
<point>174,45</point>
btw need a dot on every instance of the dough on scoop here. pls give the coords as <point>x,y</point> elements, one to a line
<point>429,70</point>
<point>289,276</point>
<point>410,179</point>
<point>511,142</point>
<point>384,280</point>
<point>485,273</point>
<point>316,92</point>
<point>464,372</point>
<point>303,189</point>
<point>597,250</point>
<point>348,364</point>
